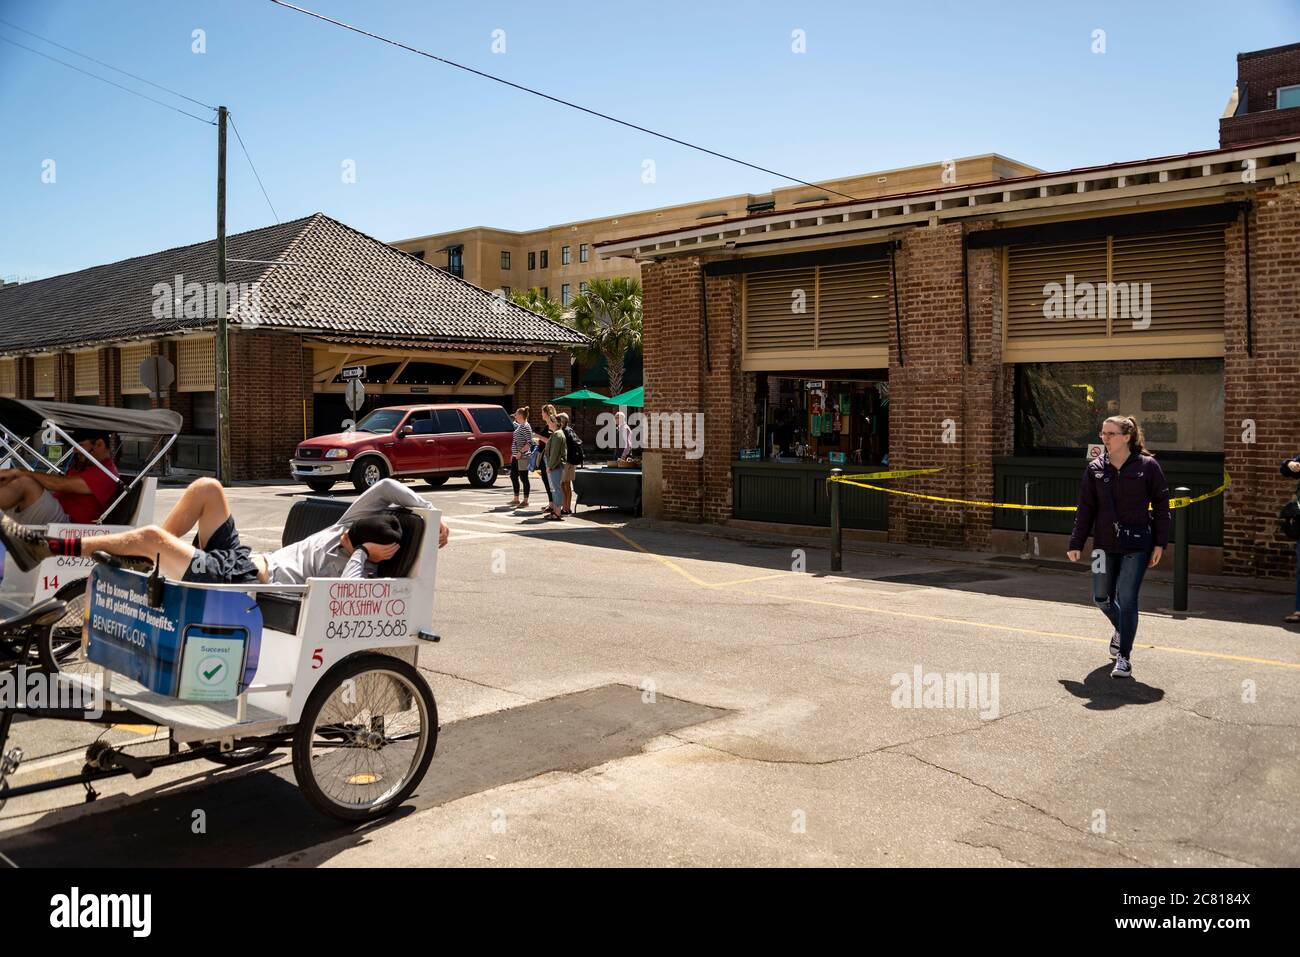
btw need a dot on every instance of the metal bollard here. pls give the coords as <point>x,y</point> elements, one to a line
<point>1180,551</point>
<point>837,550</point>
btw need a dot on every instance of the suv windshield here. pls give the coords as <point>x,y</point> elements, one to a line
<point>381,420</point>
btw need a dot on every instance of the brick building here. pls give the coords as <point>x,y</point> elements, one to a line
<point>1265,104</point>
<point>305,299</point>
<point>987,329</point>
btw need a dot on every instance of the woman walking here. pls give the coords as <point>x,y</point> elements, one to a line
<point>521,446</point>
<point>555,456</point>
<point>1124,506</point>
<point>1291,469</point>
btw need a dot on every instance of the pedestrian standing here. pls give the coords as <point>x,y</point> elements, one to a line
<point>1124,506</point>
<point>541,434</point>
<point>521,447</point>
<point>624,435</point>
<point>1291,469</point>
<point>572,459</point>
<point>555,455</point>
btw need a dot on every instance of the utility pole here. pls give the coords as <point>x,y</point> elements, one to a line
<point>223,350</point>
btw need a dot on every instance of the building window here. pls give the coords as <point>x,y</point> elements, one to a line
<point>1288,96</point>
<point>582,289</point>
<point>564,295</point>
<point>419,254</point>
<point>546,292</point>
<point>505,291</point>
<point>505,259</point>
<point>1177,402</point>
<point>456,261</point>
<point>532,260</point>
<point>203,421</point>
<point>564,255</point>
<point>8,378</point>
<point>582,252</point>
<point>546,255</point>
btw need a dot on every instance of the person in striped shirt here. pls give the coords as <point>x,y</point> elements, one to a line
<point>520,447</point>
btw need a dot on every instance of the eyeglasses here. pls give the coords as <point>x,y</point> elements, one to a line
<point>1107,435</point>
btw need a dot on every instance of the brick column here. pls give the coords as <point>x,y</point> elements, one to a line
<point>1261,388</point>
<point>266,396</point>
<point>65,377</point>
<point>110,377</point>
<point>24,377</point>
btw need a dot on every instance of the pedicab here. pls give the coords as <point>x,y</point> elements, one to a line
<point>237,672</point>
<point>63,577</point>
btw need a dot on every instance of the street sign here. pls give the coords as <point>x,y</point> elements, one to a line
<point>815,384</point>
<point>353,372</point>
<point>1095,450</point>
<point>157,373</point>
<point>355,394</point>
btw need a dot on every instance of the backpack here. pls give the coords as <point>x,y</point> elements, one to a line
<point>572,447</point>
<point>1288,520</point>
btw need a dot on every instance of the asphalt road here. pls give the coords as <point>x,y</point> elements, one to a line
<point>788,730</point>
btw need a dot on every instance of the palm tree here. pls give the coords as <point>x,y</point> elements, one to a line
<point>534,301</point>
<point>609,313</point>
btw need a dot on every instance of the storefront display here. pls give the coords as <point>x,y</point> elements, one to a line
<point>806,420</point>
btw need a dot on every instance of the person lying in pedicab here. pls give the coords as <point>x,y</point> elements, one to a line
<point>46,498</point>
<point>364,536</point>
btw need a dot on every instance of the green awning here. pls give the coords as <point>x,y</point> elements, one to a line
<point>634,398</point>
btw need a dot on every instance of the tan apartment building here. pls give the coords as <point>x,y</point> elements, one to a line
<point>560,260</point>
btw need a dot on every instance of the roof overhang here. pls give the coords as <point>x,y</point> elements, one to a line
<point>1189,178</point>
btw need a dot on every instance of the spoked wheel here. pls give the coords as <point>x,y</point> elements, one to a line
<point>60,648</point>
<point>366,737</point>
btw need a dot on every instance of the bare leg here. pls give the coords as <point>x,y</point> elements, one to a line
<point>151,541</point>
<point>21,492</point>
<point>203,505</point>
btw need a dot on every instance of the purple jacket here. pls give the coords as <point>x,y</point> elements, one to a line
<point>1140,484</point>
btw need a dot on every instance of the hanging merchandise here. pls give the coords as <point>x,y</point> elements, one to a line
<point>835,420</point>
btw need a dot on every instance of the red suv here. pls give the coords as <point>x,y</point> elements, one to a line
<point>433,442</point>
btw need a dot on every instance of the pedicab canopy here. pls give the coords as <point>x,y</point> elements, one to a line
<point>26,416</point>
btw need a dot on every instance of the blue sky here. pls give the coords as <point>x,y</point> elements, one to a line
<point>881,85</point>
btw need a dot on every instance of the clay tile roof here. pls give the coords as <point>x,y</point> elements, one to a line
<point>327,277</point>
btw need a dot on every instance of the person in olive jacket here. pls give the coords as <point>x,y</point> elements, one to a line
<point>1125,479</point>
<point>1291,469</point>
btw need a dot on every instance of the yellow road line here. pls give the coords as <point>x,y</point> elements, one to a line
<point>1270,662</point>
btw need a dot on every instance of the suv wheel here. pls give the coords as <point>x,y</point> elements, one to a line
<point>482,472</point>
<point>366,472</point>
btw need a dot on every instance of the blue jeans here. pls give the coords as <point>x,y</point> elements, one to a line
<point>556,477</point>
<point>1115,591</point>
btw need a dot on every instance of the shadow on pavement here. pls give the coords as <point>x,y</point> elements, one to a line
<point>1104,693</point>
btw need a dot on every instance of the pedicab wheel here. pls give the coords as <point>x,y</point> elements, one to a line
<point>367,471</point>
<point>365,738</point>
<point>60,647</point>
<point>320,485</point>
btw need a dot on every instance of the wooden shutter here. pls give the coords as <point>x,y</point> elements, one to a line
<point>1185,270</point>
<point>196,365</point>
<point>131,357</point>
<point>771,321</point>
<point>1033,269</point>
<point>44,370</point>
<point>8,378</point>
<point>853,306</point>
<point>87,373</point>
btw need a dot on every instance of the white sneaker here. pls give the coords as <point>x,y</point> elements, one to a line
<point>1122,668</point>
<point>1114,646</point>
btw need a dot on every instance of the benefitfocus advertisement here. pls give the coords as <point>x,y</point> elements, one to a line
<point>198,644</point>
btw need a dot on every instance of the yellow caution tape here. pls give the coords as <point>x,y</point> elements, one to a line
<point>1181,502</point>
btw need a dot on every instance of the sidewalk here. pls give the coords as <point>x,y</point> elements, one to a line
<point>819,538</point>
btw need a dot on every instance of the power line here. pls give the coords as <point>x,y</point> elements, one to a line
<point>556,99</point>
<point>101,79</point>
<point>231,117</point>
<point>14,26</point>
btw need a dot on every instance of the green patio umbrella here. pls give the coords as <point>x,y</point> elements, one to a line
<point>581,399</point>
<point>634,398</point>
